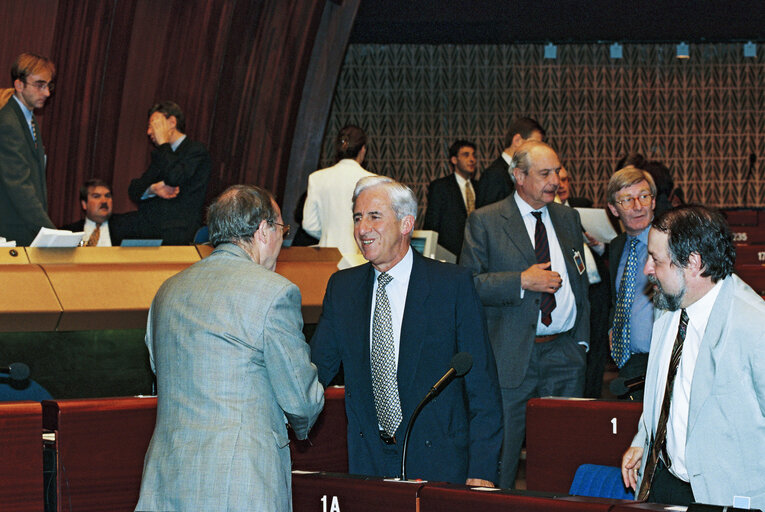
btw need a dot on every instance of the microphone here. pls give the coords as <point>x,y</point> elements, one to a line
<point>621,386</point>
<point>16,371</point>
<point>461,363</point>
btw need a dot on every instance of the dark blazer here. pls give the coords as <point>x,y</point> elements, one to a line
<point>497,250</point>
<point>173,220</point>
<point>23,191</point>
<point>443,315</point>
<point>118,227</point>
<point>495,184</point>
<point>446,212</point>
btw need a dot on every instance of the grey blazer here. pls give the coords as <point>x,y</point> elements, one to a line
<point>725,445</point>
<point>497,250</point>
<point>225,340</point>
<point>23,191</point>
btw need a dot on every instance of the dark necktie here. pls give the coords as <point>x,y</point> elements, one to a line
<point>384,382</point>
<point>94,236</point>
<point>620,335</point>
<point>542,250</point>
<point>659,444</point>
<point>469,198</point>
<point>34,130</point>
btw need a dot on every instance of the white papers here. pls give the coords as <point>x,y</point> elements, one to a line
<point>7,243</point>
<point>47,237</point>
<point>596,223</point>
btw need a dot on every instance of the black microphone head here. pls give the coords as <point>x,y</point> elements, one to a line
<point>617,386</point>
<point>462,362</point>
<point>18,371</point>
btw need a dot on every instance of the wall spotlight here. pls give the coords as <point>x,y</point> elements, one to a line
<point>750,49</point>
<point>682,51</point>
<point>551,51</point>
<point>616,51</point>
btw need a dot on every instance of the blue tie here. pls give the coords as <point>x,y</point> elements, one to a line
<point>620,335</point>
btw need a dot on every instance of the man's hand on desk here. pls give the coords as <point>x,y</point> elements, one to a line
<point>477,482</point>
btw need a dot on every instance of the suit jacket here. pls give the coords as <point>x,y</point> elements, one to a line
<point>446,212</point>
<point>725,445</point>
<point>225,341</point>
<point>497,250</point>
<point>117,228</point>
<point>328,210</point>
<point>173,220</point>
<point>23,191</point>
<point>456,436</point>
<point>495,184</point>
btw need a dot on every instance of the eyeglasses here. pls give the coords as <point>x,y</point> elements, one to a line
<point>629,202</point>
<point>41,86</point>
<point>285,229</point>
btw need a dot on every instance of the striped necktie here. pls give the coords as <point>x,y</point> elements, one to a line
<point>384,382</point>
<point>542,250</point>
<point>620,335</point>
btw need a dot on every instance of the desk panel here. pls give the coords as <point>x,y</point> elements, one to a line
<point>563,434</point>
<point>349,493</point>
<point>448,498</point>
<point>27,300</point>
<point>21,468</point>
<point>169,254</point>
<point>13,256</point>
<point>100,445</point>
<point>326,448</point>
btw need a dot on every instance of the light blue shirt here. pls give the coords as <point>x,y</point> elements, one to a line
<point>641,315</point>
<point>27,115</point>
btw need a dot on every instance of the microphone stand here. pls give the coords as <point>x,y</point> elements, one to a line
<point>416,413</point>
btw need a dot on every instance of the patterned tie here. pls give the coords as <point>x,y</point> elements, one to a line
<point>469,198</point>
<point>384,384</point>
<point>542,250</point>
<point>620,334</point>
<point>660,439</point>
<point>94,236</point>
<point>34,130</point>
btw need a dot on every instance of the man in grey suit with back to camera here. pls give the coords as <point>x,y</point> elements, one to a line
<point>225,341</point>
<point>23,189</point>
<point>525,253</point>
<point>701,436</point>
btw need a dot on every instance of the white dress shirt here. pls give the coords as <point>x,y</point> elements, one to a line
<point>462,182</point>
<point>104,240</point>
<point>677,424</point>
<point>396,291</point>
<point>564,314</point>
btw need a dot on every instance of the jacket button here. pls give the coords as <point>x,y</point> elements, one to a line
<point>428,444</point>
<point>361,434</point>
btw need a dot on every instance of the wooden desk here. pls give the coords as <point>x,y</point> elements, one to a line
<point>563,434</point>
<point>326,448</point>
<point>349,493</point>
<point>100,447</point>
<point>458,498</point>
<point>21,468</point>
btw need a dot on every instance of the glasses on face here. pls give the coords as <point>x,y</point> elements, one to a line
<point>285,228</point>
<point>629,202</point>
<point>41,86</point>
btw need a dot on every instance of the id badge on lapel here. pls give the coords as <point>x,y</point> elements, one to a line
<point>579,261</point>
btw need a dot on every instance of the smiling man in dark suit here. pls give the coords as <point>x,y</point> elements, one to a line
<point>452,198</point>
<point>171,193</point>
<point>525,253</point>
<point>23,189</point>
<point>394,324</point>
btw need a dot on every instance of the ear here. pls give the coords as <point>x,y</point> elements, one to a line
<point>517,140</point>
<point>262,235</point>
<point>18,85</point>
<point>407,225</point>
<point>84,204</point>
<point>453,161</point>
<point>519,176</point>
<point>613,210</point>
<point>695,265</point>
<point>172,121</point>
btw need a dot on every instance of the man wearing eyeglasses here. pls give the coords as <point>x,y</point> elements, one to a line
<point>631,197</point>
<point>23,190</point>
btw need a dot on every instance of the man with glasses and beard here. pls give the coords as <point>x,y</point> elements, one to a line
<point>701,436</point>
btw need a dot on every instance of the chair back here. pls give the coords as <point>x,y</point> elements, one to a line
<point>600,482</point>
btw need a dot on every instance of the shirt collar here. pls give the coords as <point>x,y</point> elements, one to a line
<point>27,113</point>
<point>92,224</point>
<point>460,180</point>
<point>401,270</point>
<point>642,236</point>
<point>525,208</point>
<point>177,142</point>
<point>699,311</point>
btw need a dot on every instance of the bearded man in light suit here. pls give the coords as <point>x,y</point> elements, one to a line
<point>539,351</point>
<point>225,340</point>
<point>714,411</point>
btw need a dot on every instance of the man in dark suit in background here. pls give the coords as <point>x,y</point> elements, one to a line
<point>525,253</point>
<point>497,180</point>
<point>171,193</point>
<point>452,198</point>
<point>101,227</point>
<point>395,323</point>
<point>23,189</point>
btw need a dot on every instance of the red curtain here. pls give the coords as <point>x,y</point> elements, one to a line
<point>236,67</point>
